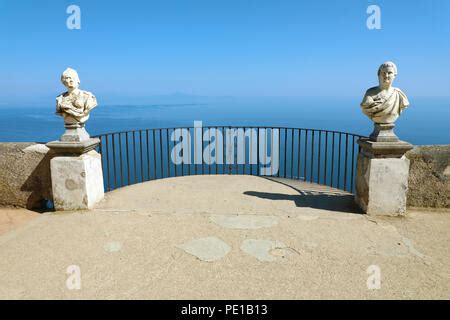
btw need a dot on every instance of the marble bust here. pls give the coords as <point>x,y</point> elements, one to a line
<point>384,103</point>
<point>74,104</point>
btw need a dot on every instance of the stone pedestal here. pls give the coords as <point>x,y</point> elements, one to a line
<point>382,177</point>
<point>77,182</point>
<point>76,170</point>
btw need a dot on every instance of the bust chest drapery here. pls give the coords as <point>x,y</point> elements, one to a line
<point>76,105</point>
<point>384,106</point>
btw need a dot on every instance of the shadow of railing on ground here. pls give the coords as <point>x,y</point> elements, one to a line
<point>310,198</point>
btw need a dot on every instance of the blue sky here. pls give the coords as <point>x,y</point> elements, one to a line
<point>218,47</point>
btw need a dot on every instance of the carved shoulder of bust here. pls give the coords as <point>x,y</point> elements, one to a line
<point>369,95</point>
<point>61,103</point>
<point>373,91</point>
<point>404,102</point>
<point>90,101</point>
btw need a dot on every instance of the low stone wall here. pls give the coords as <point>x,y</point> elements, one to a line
<point>25,175</point>
<point>25,179</point>
<point>429,176</point>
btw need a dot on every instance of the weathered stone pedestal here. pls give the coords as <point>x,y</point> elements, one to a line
<point>382,174</point>
<point>76,171</point>
<point>77,182</point>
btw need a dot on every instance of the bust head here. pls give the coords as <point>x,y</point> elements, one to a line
<point>386,74</point>
<point>70,79</point>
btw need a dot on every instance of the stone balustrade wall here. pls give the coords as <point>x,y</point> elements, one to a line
<point>25,175</point>
<point>429,176</point>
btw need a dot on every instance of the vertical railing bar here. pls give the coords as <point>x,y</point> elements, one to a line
<point>168,153</point>
<point>271,150</point>
<point>339,162</point>
<point>285,148</point>
<point>332,160</point>
<point>298,152</point>
<point>230,168</point>
<point>128,158</point>
<point>346,162</point>
<point>233,164</point>
<point>223,150</point>
<point>134,157</point>
<point>161,153</point>
<point>154,154</point>
<point>326,159</point>
<point>195,151</point>
<point>209,163</point>
<point>279,150</point>
<point>202,151</point>
<point>142,162</point>
<point>235,148</point>
<point>292,151</point>
<point>175,165</point>
<point>257,153</point>
<point>148,155</point>
<point>245,154</point>
<point>265,150</point>
<point>306,151</point>
<point>250,152</point>
<point>179,140</point>
<point>312,156</point>
<point>318,158</point>
<point>215,149</point>
<point>114,160</point>
<point>353,163</point>
<point>189,151</point>
<point>182,152</point>
<point>121,160</point>
<point>107,163</point>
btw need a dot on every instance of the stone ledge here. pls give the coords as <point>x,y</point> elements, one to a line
<point>69,148</point>
<point>25,175</point>
<point>429,179</point>
<point>382,149</point>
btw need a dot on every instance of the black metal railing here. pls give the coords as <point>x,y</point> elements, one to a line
<point>313,155</point>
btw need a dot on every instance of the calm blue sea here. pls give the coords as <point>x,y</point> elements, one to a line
<point>426,121</point>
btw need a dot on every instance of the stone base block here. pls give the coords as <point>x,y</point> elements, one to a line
<point>382,185</point>
<point>77,182</point>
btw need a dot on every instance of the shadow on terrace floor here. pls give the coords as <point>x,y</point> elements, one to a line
<point>312,196</point>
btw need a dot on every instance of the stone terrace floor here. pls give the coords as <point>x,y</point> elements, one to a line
<point>224,237</point>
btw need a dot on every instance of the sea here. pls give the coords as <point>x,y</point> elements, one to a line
<point>426,121</point>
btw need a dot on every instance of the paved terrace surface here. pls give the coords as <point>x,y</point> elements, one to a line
<point>224,237</point>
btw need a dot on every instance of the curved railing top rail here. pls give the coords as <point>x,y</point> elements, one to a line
<point>230,126</point>
<point>316,155</point>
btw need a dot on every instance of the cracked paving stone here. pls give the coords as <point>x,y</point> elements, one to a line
<point>266,250</point>
<point>206,249</point>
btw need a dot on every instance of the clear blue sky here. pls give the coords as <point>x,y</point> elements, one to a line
<point>223,47</point>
